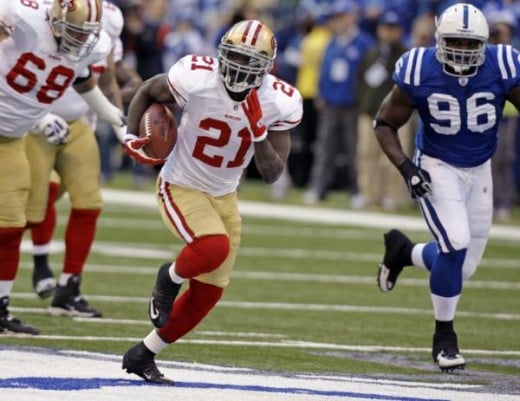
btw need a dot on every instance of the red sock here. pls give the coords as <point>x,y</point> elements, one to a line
<point>189,309</point>
<point>79,237</point>
<point>203,255</point>
<point>41,233</point>
<point>10,240</point>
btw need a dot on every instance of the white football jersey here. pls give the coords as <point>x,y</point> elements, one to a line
<point>71,106</point>
<point>214,142</point>
<point>33,74</point>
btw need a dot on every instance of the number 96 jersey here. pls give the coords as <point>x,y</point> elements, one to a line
<point>459,114</point>
<point>214,142</point>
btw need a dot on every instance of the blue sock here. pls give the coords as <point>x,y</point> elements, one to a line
<point>446,274</point>
<point>429,254</point>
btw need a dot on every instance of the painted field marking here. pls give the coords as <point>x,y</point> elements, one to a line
<point>40,375</point>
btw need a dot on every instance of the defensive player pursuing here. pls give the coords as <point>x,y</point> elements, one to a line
<point>75,156</point>
<point>233,110</point>
<point>458,88</point>
<point>45,48</point>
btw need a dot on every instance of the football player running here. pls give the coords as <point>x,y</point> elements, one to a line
<point>458,88</point>
<point>45,48</point>
<point>233,110</point>
<point>75,157</point>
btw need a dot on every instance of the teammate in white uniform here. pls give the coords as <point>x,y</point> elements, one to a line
<point>45,47</point>
<point>459,89</point>
<point>233,109</point>
<point>70,156</point>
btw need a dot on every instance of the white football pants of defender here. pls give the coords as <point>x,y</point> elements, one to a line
<point>459,211</point>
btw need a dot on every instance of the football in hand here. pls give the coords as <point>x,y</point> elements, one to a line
<point>158,122</point>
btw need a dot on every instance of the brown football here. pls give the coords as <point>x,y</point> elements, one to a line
<point>158,122</point>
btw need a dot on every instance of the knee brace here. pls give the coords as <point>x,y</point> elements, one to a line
<point>203,255</point>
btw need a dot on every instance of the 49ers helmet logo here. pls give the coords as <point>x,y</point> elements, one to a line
<point>70,4</point>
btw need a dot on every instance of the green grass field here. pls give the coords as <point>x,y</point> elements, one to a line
<point>303,298</point>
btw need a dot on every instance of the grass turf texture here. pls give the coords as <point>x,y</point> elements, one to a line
<point>284,270</point>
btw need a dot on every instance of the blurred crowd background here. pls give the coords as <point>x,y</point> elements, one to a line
<point>340,54</point>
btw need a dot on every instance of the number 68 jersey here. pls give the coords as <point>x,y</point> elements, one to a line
<point>214,142</point>
<point>459,114</point>
<point>33,73</point>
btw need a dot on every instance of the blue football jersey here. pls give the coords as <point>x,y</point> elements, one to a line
<point>459,115</point>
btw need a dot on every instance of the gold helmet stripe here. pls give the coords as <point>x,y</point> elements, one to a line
<point>93,10</point>
<point>252,32</point>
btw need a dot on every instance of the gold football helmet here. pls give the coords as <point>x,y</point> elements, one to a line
<point>76,24</point>
<point>246,54</point>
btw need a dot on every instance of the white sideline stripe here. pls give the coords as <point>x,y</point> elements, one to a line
<point>335,233</point>
<point>281,344</point>
<point>308,214</point>
<point>305,277</point>
<point>131,322</point>
<point>306,232</point>
<point>151,251</point>
<point>284,306</point>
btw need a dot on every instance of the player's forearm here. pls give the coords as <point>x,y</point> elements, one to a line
<point>269,162</point>
<point>136,109</point>
<point>390,144</point>
<point>153,90</point>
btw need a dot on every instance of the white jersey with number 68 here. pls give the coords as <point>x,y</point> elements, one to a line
<point>33,74</point>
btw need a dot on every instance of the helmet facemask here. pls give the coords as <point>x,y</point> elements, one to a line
<point>246,54</point>
<point>241,68</point>
<point>462,34</point>
<point>70,24</point>
<point>457,57</point>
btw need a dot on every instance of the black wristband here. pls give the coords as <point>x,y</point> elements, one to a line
<point>382,123</point>
<point>406,167</point>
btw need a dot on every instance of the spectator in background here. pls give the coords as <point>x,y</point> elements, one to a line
<point>184,38</point>
<point>423,31</point>
<point>143,35</point>
<point>289,60</point>
<point>143,40</point>
<point>337,101</point>
<point>372,10</point>
<point>312,47</point>
<point>502,25</point>
<point>245,11</point>
<point>379,183</point>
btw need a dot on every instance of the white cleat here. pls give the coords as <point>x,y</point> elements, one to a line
<point>450,360</point>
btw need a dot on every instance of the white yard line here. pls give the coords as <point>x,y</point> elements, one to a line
<point>313,214</point>
<point>277,344</point>
<point>284,306</point>
<point>153,252</point>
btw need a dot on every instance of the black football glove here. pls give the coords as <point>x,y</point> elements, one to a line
<point>417,179</point>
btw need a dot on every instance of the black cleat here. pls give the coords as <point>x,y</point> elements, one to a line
<point>68,301</point>
<point>140,361</point>
<point>43,281</point>
<point>10,324</point>
<point>164,293</point>
<point>398,254</point>
<point>445,352</point>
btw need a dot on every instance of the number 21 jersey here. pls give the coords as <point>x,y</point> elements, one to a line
<point>214,143</point>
